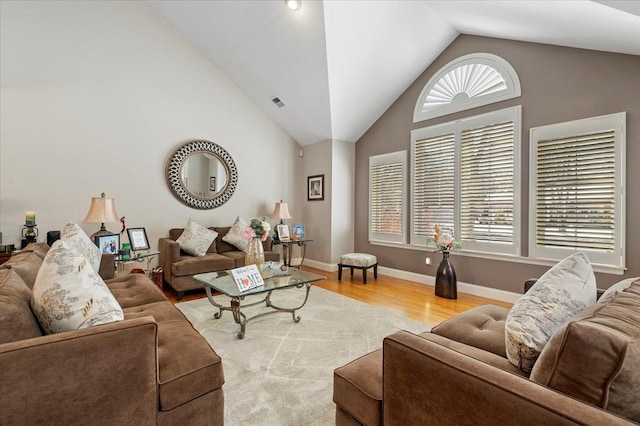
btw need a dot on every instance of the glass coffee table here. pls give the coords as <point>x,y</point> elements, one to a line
<point>274,281</point>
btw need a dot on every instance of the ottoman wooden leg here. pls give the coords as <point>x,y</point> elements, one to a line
<point>364,275</point>
<point>339,271</point>
<point>375,271</point>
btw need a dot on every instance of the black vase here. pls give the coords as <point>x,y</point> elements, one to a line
<point>446,282</point>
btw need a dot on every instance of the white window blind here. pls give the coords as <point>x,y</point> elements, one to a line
<point>486,183</point>
<point>434,183</point>
<point>387,194</point>
<point>465,178</point>
<point>577,198</point>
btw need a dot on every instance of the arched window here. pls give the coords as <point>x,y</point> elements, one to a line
<point>467,82</point>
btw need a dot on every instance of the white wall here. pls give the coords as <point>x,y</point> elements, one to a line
<point>96,96</point>
<point>343,156</point>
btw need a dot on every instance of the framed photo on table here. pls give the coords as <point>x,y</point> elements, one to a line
<point>108,244</point>
<point>297,230</point>
<point>138,239</point>
<point>315,188</point>
<point>283,232</point>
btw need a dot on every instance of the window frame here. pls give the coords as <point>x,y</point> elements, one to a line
<point>458,126</point>
<point>616,122</point>
<point>393,157</point>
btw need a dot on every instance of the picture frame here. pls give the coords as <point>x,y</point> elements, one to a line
<point>138,239</point>
<point>297,231</point>
<point>283,232</point>
<point>212,184</point>
<point>108,244</point>
<point>315,188</point>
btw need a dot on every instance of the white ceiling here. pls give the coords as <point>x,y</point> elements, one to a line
<point>338,65</point>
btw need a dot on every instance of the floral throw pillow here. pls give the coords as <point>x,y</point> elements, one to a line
<point>75,237</point>
<point>236,234</point>
<point>196,239</point>
<point>561,293</point>
<point>68,294</point>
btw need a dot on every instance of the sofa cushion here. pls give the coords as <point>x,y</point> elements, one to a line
<point>562,292</point>
<point>196,239</point>
<point>481,327</point>
<point>187,366</point>
<point>134,290</point>
<point>595,356</point>
<point>26,264</point>
<point>236,235</point>
<point>618,287</point>
<point>188,265</point>
<point>16,319</point>
<point>68,294</point>
<point>40,249</point>
<point>357,388</point>
<point>160,311</point>
<point>238,257</point>
<point>75,237</point>
<point>221,245</point>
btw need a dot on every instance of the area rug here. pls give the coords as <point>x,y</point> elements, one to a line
<point>281,373</point>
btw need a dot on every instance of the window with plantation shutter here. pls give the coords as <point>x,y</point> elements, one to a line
<point>576,194</point>
<point>387,195</point>
<point>465,179</point>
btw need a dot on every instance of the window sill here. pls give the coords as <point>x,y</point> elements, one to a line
<point>605,269</point>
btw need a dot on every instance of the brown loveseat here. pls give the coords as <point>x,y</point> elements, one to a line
<point>458,373</point>
<point>151,368</point>
<point>180,267</point>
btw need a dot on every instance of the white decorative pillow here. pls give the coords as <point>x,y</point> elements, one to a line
<point>562,292</point>
<point>196,239</point>
<point>68,294</point>
<point>616,288</point>
<point>236,235</point>
<point>75,237</point>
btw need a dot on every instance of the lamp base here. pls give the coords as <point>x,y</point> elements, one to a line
<point>101,232</point>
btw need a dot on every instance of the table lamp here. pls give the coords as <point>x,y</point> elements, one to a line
<point>102,210</point>
<point>281,211</point>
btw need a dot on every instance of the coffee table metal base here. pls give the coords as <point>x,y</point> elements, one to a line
<point>240,318</point>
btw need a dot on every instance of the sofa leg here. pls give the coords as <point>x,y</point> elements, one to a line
<point>180,295</point>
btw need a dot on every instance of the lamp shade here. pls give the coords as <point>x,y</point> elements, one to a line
<point>281,211</point>
<point>102,210</point>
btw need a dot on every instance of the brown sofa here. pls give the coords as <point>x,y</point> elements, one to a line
<point>151,368</point>
<point>458,373</point>
<point>180,267</point>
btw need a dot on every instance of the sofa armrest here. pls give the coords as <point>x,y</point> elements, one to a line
<point>426,383</point>
<point>169,253</point>
<point>105,374</point>
<point>107,266</point>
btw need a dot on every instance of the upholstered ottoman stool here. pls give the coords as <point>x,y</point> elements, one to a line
<point>358,261</point>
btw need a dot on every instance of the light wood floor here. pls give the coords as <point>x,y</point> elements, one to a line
<point>403,297</point>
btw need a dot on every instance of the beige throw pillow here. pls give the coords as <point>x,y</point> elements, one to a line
<point>69,294</point>
<point>75,237</point>
<point>196,239</point>
<point>562,292</point>
<point>236,234</point>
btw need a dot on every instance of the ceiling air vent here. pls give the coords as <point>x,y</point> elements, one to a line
<point>278,102</point>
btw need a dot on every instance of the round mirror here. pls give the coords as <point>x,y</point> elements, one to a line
<point>202,175</point>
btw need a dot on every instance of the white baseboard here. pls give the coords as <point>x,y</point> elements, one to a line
<point>467,288</point>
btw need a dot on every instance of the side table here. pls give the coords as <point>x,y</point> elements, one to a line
<point>138,257</point>
<point>287,247</point>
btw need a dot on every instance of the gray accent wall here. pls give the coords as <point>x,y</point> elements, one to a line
<point>558,84</point>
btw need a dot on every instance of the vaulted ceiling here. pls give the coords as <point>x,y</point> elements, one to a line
<point>338,65</point>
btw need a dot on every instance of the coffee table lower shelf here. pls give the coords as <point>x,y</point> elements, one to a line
<point>240,318</point>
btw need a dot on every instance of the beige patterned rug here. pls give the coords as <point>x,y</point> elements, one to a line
<point>281,373</point>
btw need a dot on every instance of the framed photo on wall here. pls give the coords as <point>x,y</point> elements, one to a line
<point>283,232</point>
<point>108,244</point>
<point>297,231</point>
<point>315,188</point>
<point>138,239</point>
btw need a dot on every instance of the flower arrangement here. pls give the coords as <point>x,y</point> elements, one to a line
<point>258,228</point>
<point>443,240</point>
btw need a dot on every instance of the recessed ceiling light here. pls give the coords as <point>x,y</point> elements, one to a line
<point>294,5</point>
